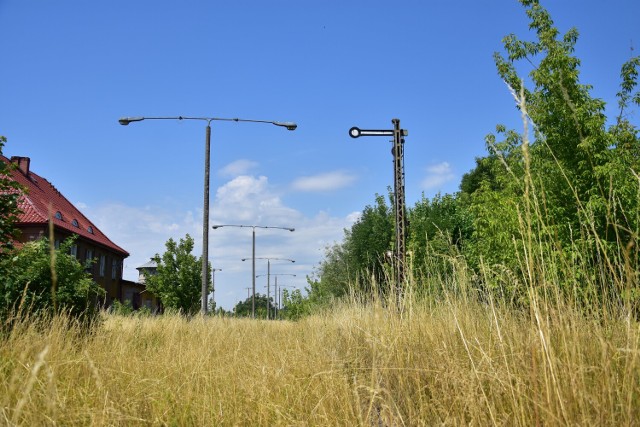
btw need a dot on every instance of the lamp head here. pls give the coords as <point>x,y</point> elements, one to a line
<point>288,125</point>
<point>124,121</point>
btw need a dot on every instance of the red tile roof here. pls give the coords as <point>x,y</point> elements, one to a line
<point>42,195</point>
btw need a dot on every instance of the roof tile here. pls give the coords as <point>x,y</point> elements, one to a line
<point>42,200</point>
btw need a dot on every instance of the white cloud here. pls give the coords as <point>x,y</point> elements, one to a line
<point>324,182</point>
<point>238,167</point>
<point>354,216</point>
<point>249,200</point>
<point>437,175</point>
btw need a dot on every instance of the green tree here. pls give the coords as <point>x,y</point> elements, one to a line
<point>178,280</point>
<point>569,187</point>
<point>437,226</point>
<point>359,259</point>
<point>295,306</point>
<point>245,308</point>
<point>369,242</point>
<point>30,285</point>
<point>9,194</point>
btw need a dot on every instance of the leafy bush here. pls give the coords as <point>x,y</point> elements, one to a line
<point>37,279</point>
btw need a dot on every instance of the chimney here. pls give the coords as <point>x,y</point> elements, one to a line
<point>23,163</point>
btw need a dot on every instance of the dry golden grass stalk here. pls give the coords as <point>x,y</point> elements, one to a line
<point>456,362</point>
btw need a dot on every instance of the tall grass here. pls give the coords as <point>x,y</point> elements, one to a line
<point>454,362</point>
<point>449,356</point>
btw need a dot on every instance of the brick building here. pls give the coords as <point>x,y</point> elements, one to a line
<point>41,202</point>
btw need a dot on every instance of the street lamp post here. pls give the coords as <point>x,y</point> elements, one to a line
<point>207,158</point>
<point>253,256</point>
<point>269,276</point>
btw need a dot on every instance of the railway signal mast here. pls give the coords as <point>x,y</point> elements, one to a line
<point>399,200</point>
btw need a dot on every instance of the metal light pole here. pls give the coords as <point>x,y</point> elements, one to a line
<point>253,256</point>
<point>269,276</point>
<point>207,155</point>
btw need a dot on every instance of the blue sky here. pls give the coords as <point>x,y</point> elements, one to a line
<point>70,69</point>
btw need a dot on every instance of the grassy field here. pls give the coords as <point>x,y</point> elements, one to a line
<point>451,363</point>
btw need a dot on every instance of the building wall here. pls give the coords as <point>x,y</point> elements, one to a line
<point>138,295</point>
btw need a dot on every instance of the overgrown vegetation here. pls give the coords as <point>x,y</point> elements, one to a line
<point>37,279</point>
<point>9,195</point>
<point>453,362</point>
<point>178,280</point>
<point>551,209</point>
<point>520,307</point>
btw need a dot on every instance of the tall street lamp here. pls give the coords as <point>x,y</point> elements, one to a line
<point>269,275</point>
<point>207,159</point>
<point>253,256</point>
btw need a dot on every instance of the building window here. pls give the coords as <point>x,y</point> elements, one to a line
<point>56,243</point>
<point>74,251</point>
<point>90,229</point>
<point>103,262</point>
<point>75,223</point>
<point>114,268</point>
<point>88,259</point>
<point>58,215</point>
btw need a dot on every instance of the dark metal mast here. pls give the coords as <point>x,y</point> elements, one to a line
<point>399,202</point>
<point>398,188</point>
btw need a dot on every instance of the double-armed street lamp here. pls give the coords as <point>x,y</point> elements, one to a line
<point>253,256</point>
<point>207,160</point>
<point>269,275</point>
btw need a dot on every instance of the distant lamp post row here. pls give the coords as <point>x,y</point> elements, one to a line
<point>269,276</point>
<point>207,160</point>
<point>253,256</point>
<point>277,296</point>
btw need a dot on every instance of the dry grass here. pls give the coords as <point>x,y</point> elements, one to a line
<point>451,363</point>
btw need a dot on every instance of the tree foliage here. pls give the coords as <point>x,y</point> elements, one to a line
<point>245,308</point>
<point>295,306</point>
<point>555,203</point>
<point>360,262</point>
<point>32,283</point>
<point>9,194</point>
<point>178,280</point>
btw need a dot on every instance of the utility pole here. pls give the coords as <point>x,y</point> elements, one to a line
<point>399,207</point>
